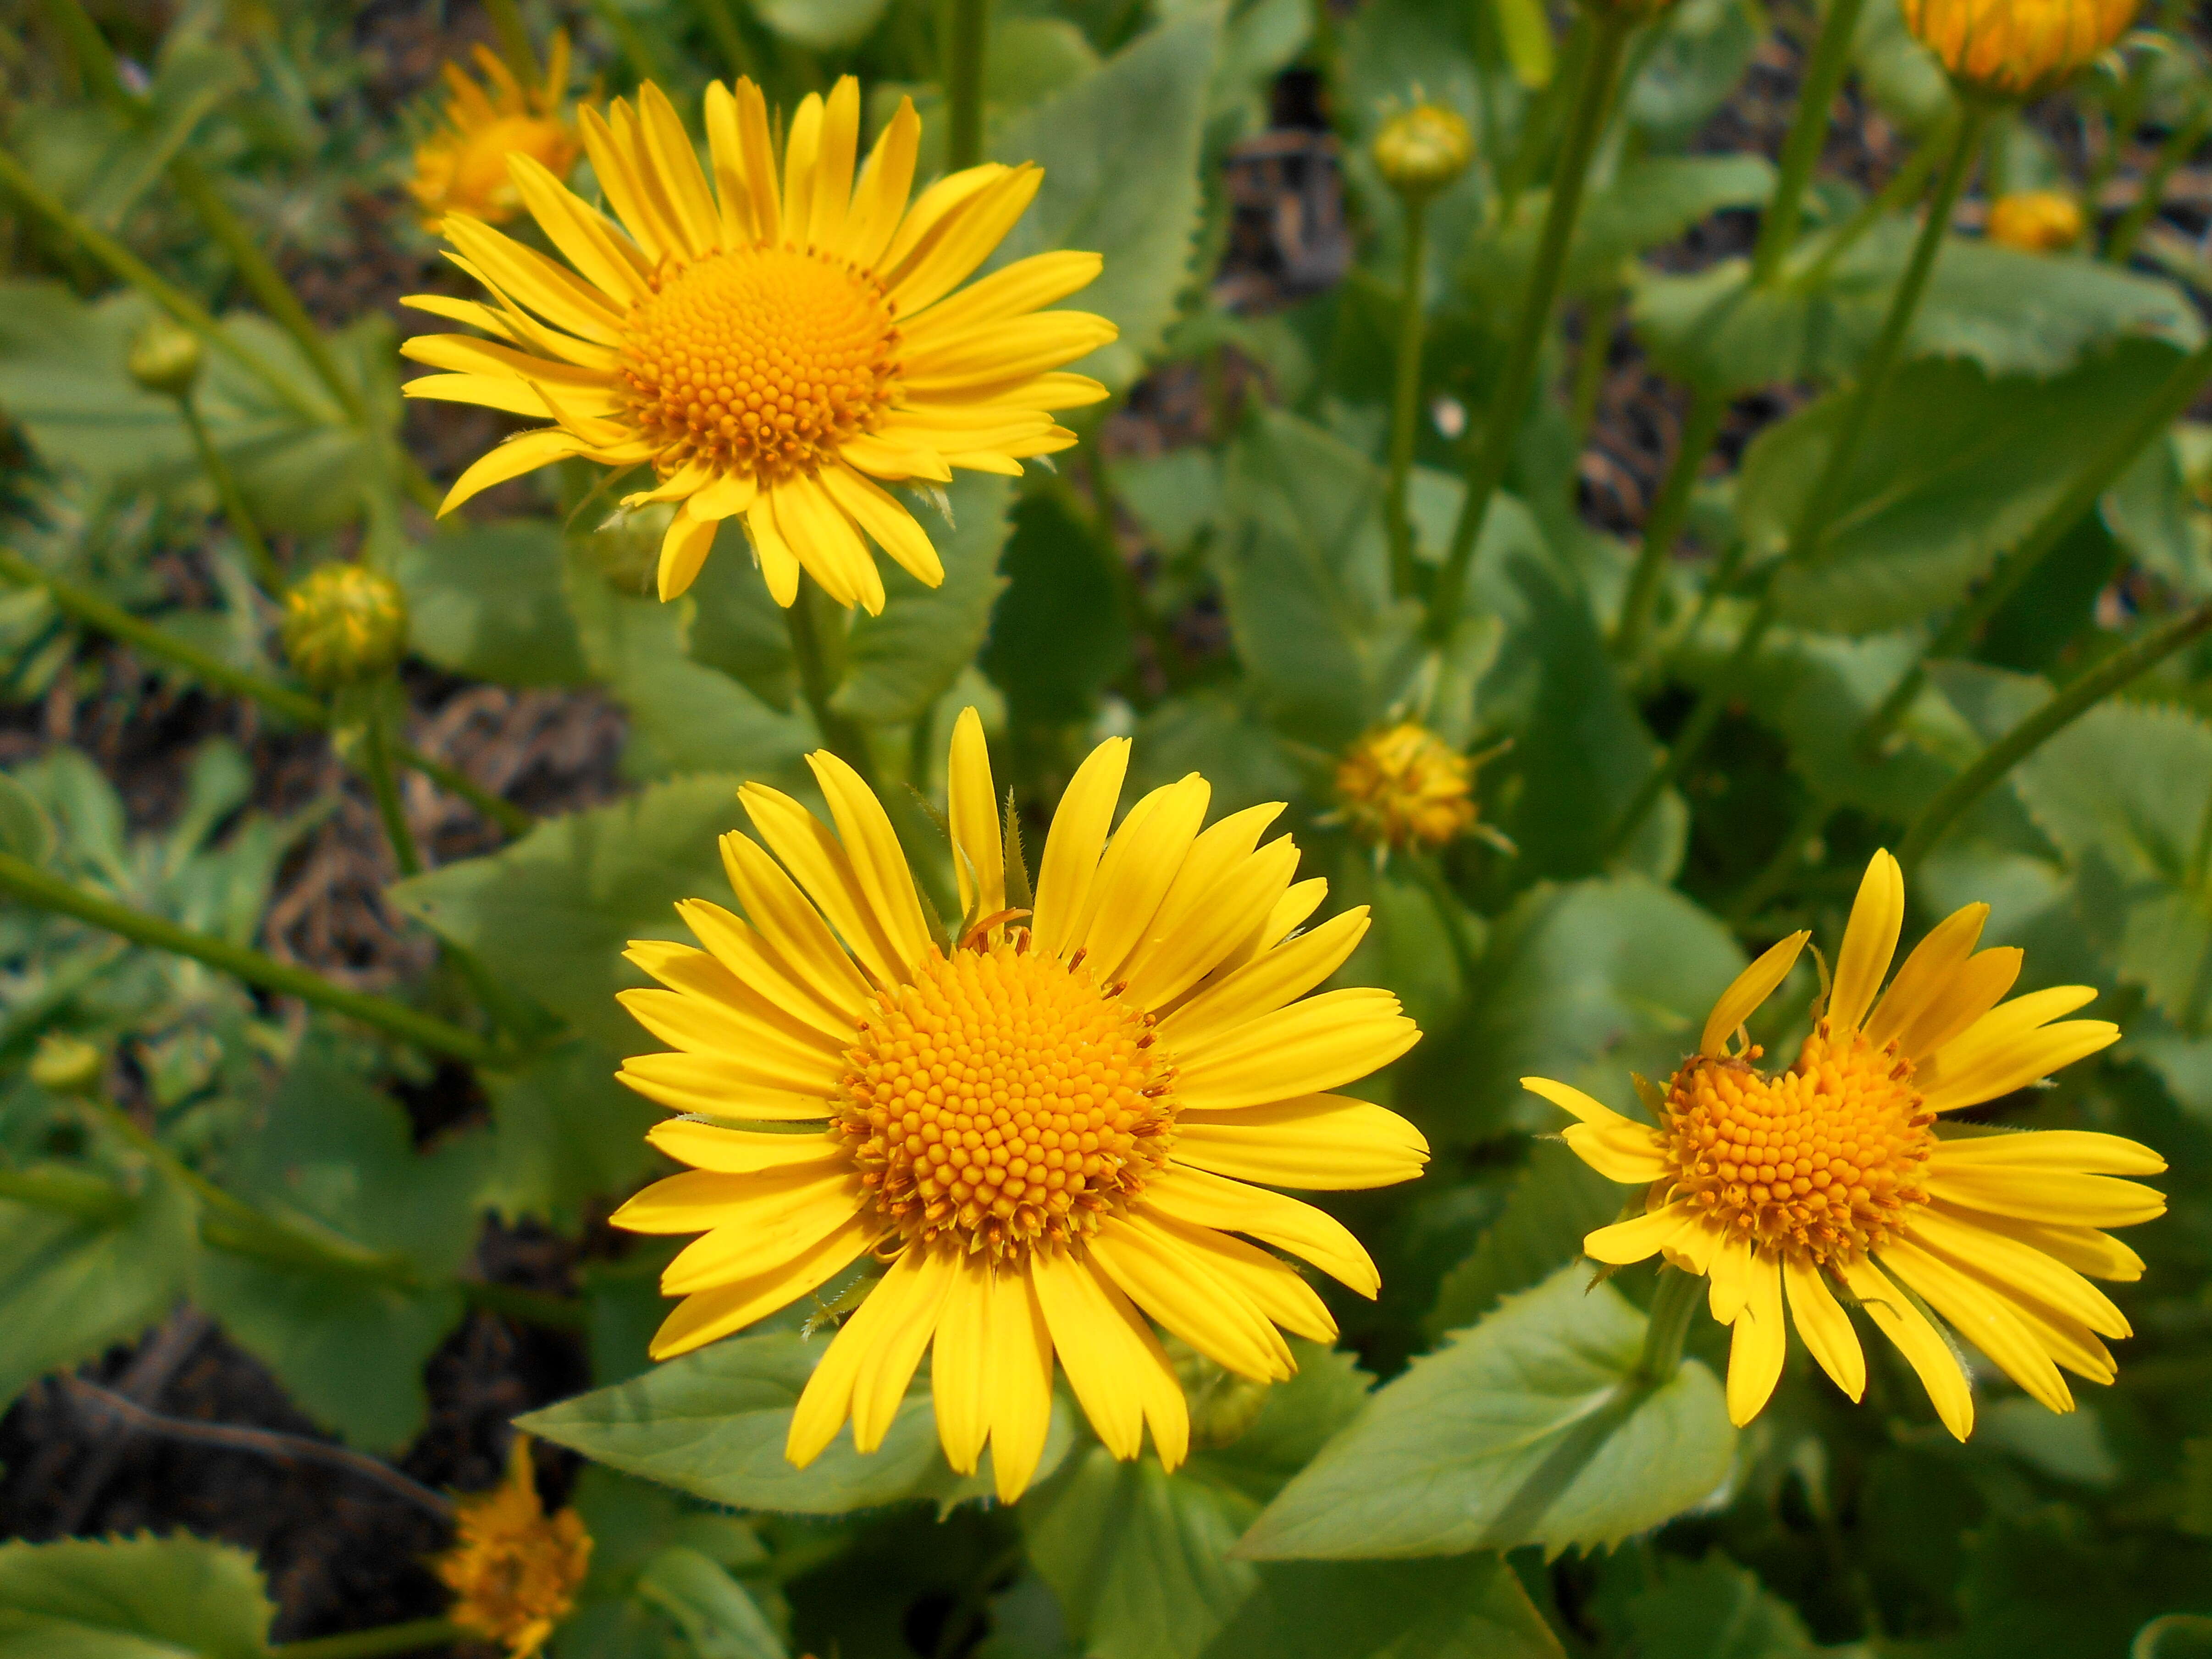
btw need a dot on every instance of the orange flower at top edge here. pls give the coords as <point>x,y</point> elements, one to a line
<point>462,167</point>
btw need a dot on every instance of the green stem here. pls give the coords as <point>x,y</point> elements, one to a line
<point>96,59</point>
<point>2112,458</point>
<point>515,41</point>
<point>629,40</point>
<point>554,1312</point>
<point>1406,395</point>
<point>1903,188</point>
<point>234,510</point>
<point>2120,127</point>
<point>2180,145</point>
<point>1669,512</point>
<point>1808,135</point>
<point>33,885</point>
<point>128,267</point>
<point>1674,1300</point>
<point>721,21</point>
<point>963,80</point>
<point>376,762</point>
<point>70,1192</point>
<point>1516,379</point>
<point>818,659</point>
<point>1825,497</point>
<point>1600,312</point>
<point>1789,857</point>
<point>109,619</point>
<point>1717,586</point>
<point>2065,708</point>
<point>412,1637</point>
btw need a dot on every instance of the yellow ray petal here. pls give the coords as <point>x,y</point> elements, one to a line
<point>1104,1346</point>
<point>1320,1043</point>
<point>683,550</point>
<point>981,356</point>
<point>972,811</point>
<point>1757,1342</point>
<point>1267,982</point>
<point>1921,1344</point>
<point>675,167</point>
<point>1751,987</point>
<point>1273,1286</point>
<point>1140,865</point>
<point>1177,1287</point>
<point>1869,942</point>
<point>1927,973</point>
<point>879,459</point>
<point>1208,911</point>
<point>2083,1151</point>
<point>822,867</point>
<point>802,142</point>
<point>1976,988</point>
<point>695,1025</point>
<point>700,974</point>
<point>759,1238</point>
<point>1624,1242</point>
<point>2055,1197</point>
<point>2011,1260</point>
<point>1626,1154</point>
<point>833,164</point>
<point>965,240</point>
<point>1728,1271</point>
<point>525,452</point>
<point>826,541</point>
<point>622,180</point>
<point>1585,1109</point>
<point>877,861</point>
<point>700,1200</point>
<point>880,195</point>
<point>1025,286</point>
<point>1981,1318</point>
<point>827,1399</point>
<point>1072,845</point>
<point>753,962</point>
<point>742,1151</point>
<point>1019,1382</point>
<point>728,495</point>
<point>1969,1079</point>
<point>470,312</point>
<point>708,1315</point>
<point>758,149</point>
<point>1200,1200</point>
<point>562,298</point>
<point>1317,1141</point>
<point>959,1365</point>
<point>719,1086</point>
<point>887,523</point>
<point>725,152</point>
<point>779,565</point>
<point>884,1373</point>
<point>791,927</point>
<point>601,254</point>
<point>1826,1327</point>
<point>926,220</point>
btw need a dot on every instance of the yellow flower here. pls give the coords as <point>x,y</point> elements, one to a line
<point>1422,149</point>
<point>778,344</point>
<point>1403,786</point>
<point>463,167</point>
<point>2035,220</point>
<point>2017,49</point>
<point>1832,1176</point>
<point>345,624</point>
<point>1047,1130</point>
<point>514,1569</point>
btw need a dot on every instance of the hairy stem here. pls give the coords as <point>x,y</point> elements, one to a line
<point>970,29</point>
<point>376,762</point>
<point>234,510</point>
<point>1673,1301</point>
<point>1406,396</point>
<point>1809,133</point>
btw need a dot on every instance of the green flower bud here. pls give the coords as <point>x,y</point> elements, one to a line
<point>165,358</point>
<point>1223,1404</point>
<point>1424,149</point>
<point>67,1065</point>
<point>626,548</point>
<point>344,625</point>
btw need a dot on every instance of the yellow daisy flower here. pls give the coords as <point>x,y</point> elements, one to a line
<point>2017,49</point>
<point>462,168</point>
<point>779,343</point>
<point>1832,1176</point>
<point>514,1569</point>
<point>1046,1129</point>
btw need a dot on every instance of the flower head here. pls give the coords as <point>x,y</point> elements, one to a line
<point>2017,49</point>
<point>514,1569</point>
<point>778,343</point>
<point>1403,787</point>
<point>165,357</point>
<point>1046,1125</point>
<point>1422,149</point>
<point>2035,220</point>
<point>1833,1177</point>
<point>345,624</point>
<point>462,167</point>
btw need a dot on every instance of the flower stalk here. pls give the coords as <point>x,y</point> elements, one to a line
<point>963,80</point>
<point>1670,511</point>
<point>1808,135</point>
<point>1487,463</point>
<point>2179,145</point>
<point>1406,396</point>
<point>235,513</point>
<point>1673,1301</point>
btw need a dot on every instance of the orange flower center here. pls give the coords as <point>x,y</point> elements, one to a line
<point>1822,1161</point>
<point>1005,1098</point>
<point>762,361</point>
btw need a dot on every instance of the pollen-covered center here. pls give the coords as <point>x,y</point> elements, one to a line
<point>1005,1098</point>
<point>760,361</point>
<point>1821,1161</point>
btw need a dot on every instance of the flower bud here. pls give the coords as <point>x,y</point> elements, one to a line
<point>2035,220</point>
<point>1223,1404</point>
<point>627,547</point>
<point>165,358</point>
<point>2017,49</point>
<point>67,1065</point>
<point>1405,787</point>
<point>1423,150</point>
<point>344,625</point>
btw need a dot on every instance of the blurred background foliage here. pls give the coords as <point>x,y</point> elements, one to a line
<point>331,1170</point>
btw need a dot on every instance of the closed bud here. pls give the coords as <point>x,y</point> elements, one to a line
<point>67,1065</point>
<point>1223,1404</point>
<point>1404,787</point>
<point>627,547</point>
<point>1423,150</point>
<point>165,358</point>
<point>2016,50</point>
<point>344,625</point>
<point>2035,220</point>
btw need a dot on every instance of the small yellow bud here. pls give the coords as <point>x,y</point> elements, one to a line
<point>2017,49</point>
<point>165,358</point>
<point>67,1065</point>
<point>1404,786</point>
<point>344,625</point>
<point>2035,220</point>
<point>1423,150</point>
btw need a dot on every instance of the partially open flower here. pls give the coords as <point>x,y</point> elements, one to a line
<point>345,624</point>
<point>1403,788</point>
<point>2035,220</point>
<point>1423,150</point>
<point>514,1569</point>
<point>462,168</point>
<point>2017,49</point>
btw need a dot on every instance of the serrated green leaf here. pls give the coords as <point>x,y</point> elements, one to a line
<point>1457,1609</point>
<point>564,1133</point>
<point>553,911</point>
<point>1059,634</point>
<point>1714,1609</point>
<point>1555,1204</point>
<point>1120,150</point>
<point>132,1598</point>
<point>1211,733</point>
<point>1296,1420</point>
<point>1533,1428</point>
<point>485,600</point>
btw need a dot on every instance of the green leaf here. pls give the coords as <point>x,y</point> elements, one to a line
<point>1456,1609</point>
<point>565,1133</point>
<point>735,626</point>
<point>190,81</point>
<point>335,1158</point>
<point>132,1598</point>
<point>684,716</point>
<point>713,1424</point>
<point>1818,691</point>
<point>2125,793</point>
<point>1210,731</point>
<point>1714,1609</point>
<point>1698,59</point>
<point>1955,468</point>
<point>1533,1428</point>
<point>72,1285</point>
<point>899,664</point>
<point>1584,983</point>
<point>485,600</point>
<point>1903,77</point>
<point>1058,634</point>
<point>1120,151</point>
<point>2155,515</point>
<point>821,25</point>
<point>1296,1420</point>
<point>25,832</point>
<point>1556,1201</point>
<point>552,912</point>
<point>709,1607</point>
